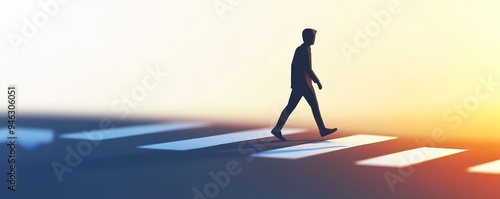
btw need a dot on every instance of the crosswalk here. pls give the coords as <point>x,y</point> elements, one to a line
<point>317,148</point>
<point>409,157</point>
<point>396,159</point>
<point>487,168</point>
<point>121,132</point>
<point>30,138</point>
<point>204,142</point>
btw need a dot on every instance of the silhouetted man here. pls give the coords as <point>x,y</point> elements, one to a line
<point>302,74</point>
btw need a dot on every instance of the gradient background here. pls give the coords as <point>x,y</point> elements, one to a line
<point>234,65</point>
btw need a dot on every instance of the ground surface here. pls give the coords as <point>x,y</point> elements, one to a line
<point>117,167</point>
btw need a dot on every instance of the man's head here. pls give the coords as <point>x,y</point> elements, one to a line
<point>309,35</point>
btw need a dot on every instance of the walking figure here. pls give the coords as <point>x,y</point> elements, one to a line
<point>302,74</point>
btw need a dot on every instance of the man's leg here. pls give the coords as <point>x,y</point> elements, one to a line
<point>292,103</point>
<point>310,96</point>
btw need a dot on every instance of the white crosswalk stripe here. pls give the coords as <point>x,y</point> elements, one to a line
<point>489,167</point>
<point>120,132</point>
<point>215,140</point>
<point>29,137</point>
<point>409,157</point>
<point>316,148</point>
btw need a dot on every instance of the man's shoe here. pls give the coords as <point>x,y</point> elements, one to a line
<point>278,135</point>
<point>326,132</point>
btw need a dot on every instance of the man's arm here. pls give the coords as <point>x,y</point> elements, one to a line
<point>310,72</point>
<point>313,76</point>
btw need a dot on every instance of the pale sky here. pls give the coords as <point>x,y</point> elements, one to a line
<point>410,71</point>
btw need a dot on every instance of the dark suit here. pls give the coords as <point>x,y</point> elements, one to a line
<point>302,75</point>
<point>302,72</point>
